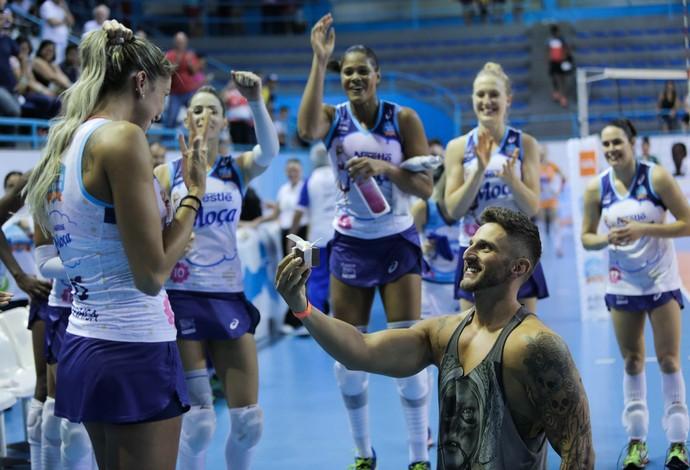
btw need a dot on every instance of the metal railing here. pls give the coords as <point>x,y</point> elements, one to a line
<point>32,133</point>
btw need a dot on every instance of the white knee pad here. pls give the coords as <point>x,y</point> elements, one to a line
<point>636,419</point>
<point>352,383</point>
<point>50,426</point>
<point>34,419</point>
<point>247,424</point>
<point>76,452</point>
<point>414,390</point>
<point>198,426</point>
<point>675,422</point>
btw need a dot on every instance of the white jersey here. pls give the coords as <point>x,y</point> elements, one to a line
<point>493,192</point>
<point>648,265</point>
<point>19,232</point>
<point>106,303</point>
<point>288,197</point>
<point>212,264</point>
<point>442,261</point>
<point>348,139</point>
<point>317,199</point>
<point>60,293</point>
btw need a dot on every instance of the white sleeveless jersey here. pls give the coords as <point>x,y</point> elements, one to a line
<point>212,264</point>
<point>648,265</point>
<point>317,199</point>
<point>442,262</point>
<point>493,191</point>
<point>106,303</point>
<point>19,232</point>
<point>347,139</point>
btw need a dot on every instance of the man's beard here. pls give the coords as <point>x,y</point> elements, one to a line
<point>486,279</point>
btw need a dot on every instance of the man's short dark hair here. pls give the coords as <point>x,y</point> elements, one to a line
<point>518,226</point>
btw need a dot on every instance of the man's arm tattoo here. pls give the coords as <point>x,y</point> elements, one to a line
<point>556,391</point>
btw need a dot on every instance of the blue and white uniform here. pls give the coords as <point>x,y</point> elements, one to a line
<point>18,231</point>
<point>643,274</point>
<point>119,361</point>
<point>368,251</point>
<point>57,318</point>
<point>317,200</point>
<point>438,275</point>
<point>206,287</point>
<point>494,192</point>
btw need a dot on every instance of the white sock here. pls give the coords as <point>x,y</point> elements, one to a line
<point>635,413</point>
<point>354,387</point>
<point>675,420</point>
<point>33,430</point>
<point>50,437</point>
<point>414,397</point>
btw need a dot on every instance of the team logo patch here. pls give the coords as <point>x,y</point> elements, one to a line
<point>614,275</point>
<point>345,222</point>
<point>641,193</point>
<point>180,273</point>
<point>224,170</point>
<point>388,130</point>
<point>349,271</point>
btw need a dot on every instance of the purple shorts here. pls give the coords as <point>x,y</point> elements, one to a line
<point>213,315</point>
<point>37,311</point>
<point>119,382</point>
<point>535,286</point>
<point>57,319</point>
<point>360,262</point>
<point>642,303</point>
<point>318,283</point>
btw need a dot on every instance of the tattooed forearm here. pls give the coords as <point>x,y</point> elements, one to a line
<point>555,390</point>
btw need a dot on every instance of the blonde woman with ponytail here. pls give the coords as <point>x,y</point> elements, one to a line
<point>93,193</point>
<point>492,165</point>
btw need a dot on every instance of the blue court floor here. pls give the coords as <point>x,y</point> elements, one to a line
<point>305,421</point>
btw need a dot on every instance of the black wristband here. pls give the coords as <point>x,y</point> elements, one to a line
<point>188,206</point>
<point>194,198</point>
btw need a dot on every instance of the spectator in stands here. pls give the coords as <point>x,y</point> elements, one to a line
<point>646,155</point>
<point>38,101</point>
<point>281,123</point>
<point>560,63</point>
<point>158,151</point>
<point>46,70</point>
<point>678,152</point>
<point>100,15</point>
<point>71,67</point>
<point>184,83</point>
<point>239,116</point>
<point>468,11</point>
<point>201,77</point>
<point>9,105</point>
<point>667,104</point>
<point>57,22</point>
